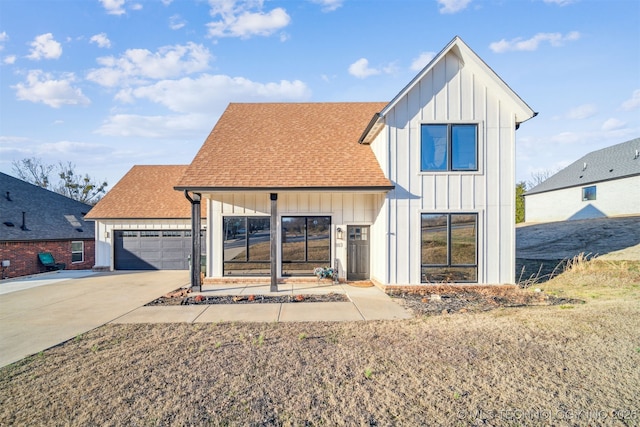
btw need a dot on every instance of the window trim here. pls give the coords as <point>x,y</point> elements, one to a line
<point>449,168</point>
<point>81,251</point>
<point>449,257</point>
<point>586,197</point>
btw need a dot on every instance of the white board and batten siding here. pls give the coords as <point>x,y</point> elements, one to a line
<point>343,208</point>
<point>452,92</point>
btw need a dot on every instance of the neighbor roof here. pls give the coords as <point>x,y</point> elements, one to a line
<point>145,192</point>
<point>47,215</point>
<point>288,146</point>
<point>615,162</point>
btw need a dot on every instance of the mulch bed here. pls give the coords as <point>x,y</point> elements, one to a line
<point>436,300</point>
<point>181,297</point>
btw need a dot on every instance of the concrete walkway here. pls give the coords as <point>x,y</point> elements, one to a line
<point>364,304</point>
<point>36,316</point>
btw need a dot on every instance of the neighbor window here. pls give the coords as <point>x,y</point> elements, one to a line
<point>306,244</point>
<point>449,147</point>
<point>77,251</point>
<point>449,245</point>
<point>588,193</point>
<point>247,245</point>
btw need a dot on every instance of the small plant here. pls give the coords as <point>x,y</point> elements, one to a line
<point>456,395</point>
<point>218,344</point>
<point>260,340</point>
<point>565,307</point>
<point>368,373</point>
<point>302,336</point>
<point>95,348</point>
<point>79,338</point>
<point>637,349</point>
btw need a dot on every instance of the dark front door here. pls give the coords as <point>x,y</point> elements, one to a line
<point>358,252</point>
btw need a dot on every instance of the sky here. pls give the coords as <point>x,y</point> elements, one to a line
<point>108,84</point>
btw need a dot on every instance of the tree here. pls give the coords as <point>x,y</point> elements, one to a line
<point>71,184</point>
<point>33,171</point>
<point>521,188</point>
<point>538,178</point>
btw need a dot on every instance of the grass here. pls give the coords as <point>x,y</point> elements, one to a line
<point>596,279</point>
<point>520,366</point>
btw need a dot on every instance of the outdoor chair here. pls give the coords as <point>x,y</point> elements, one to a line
<point>50,264</point>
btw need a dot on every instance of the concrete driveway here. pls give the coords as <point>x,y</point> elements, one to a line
<point>34,319</point>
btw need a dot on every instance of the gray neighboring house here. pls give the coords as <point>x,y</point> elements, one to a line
<point>602,183</point>
<point>35,220</point>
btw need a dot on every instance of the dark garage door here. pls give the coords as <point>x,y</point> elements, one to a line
<point>152,249</point>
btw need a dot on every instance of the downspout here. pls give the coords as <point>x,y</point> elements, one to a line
<point>196,244</point>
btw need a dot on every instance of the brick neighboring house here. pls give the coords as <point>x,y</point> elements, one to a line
<point>34,220</point>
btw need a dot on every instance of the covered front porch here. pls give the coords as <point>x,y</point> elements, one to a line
<point>278,238</point>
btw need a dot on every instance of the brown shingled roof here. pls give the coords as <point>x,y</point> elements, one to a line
<point>288,146</point>
<point>145,192</point>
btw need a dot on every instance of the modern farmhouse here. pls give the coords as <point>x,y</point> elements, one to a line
<point>416,190</point>
<point>602,183</point>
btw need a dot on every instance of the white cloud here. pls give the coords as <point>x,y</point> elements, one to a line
<point>3,38</point>
<point>582,112</point>
<point>453,6</point>
<point>71,147</point>
<point>633,102</point>
<point>213,92</point>
<point>613,124</point>
<point>42,87</point>
<point>44,46</point>
<point>518,44</point>
<point>329,5</point>
<point>560,2</point>
<point>166,2</point>
<point>138,65</point>
<point>101,40</point>
<point>422,60</point>
<point>113,7</point>
<point>11,59</point>
<point>161,127</point>
<point>361,70</point>
<point>567,138</point>
<point>176,22</point>
<point>245,19</point>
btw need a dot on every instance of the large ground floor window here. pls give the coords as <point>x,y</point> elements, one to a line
<point>306,244</point>
<point>449,244</point>
<point>246,246</point>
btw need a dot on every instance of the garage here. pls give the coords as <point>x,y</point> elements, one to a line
<point>152,249</point>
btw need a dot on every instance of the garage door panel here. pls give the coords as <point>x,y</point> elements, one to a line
<point>152,249</point>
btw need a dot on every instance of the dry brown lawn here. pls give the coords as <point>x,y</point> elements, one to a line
<point>555,365</point>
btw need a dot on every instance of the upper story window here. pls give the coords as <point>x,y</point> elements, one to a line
<point>449,147</point>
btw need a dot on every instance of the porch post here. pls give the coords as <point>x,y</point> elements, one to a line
<point>196,244</point>
<point>274,242</point>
